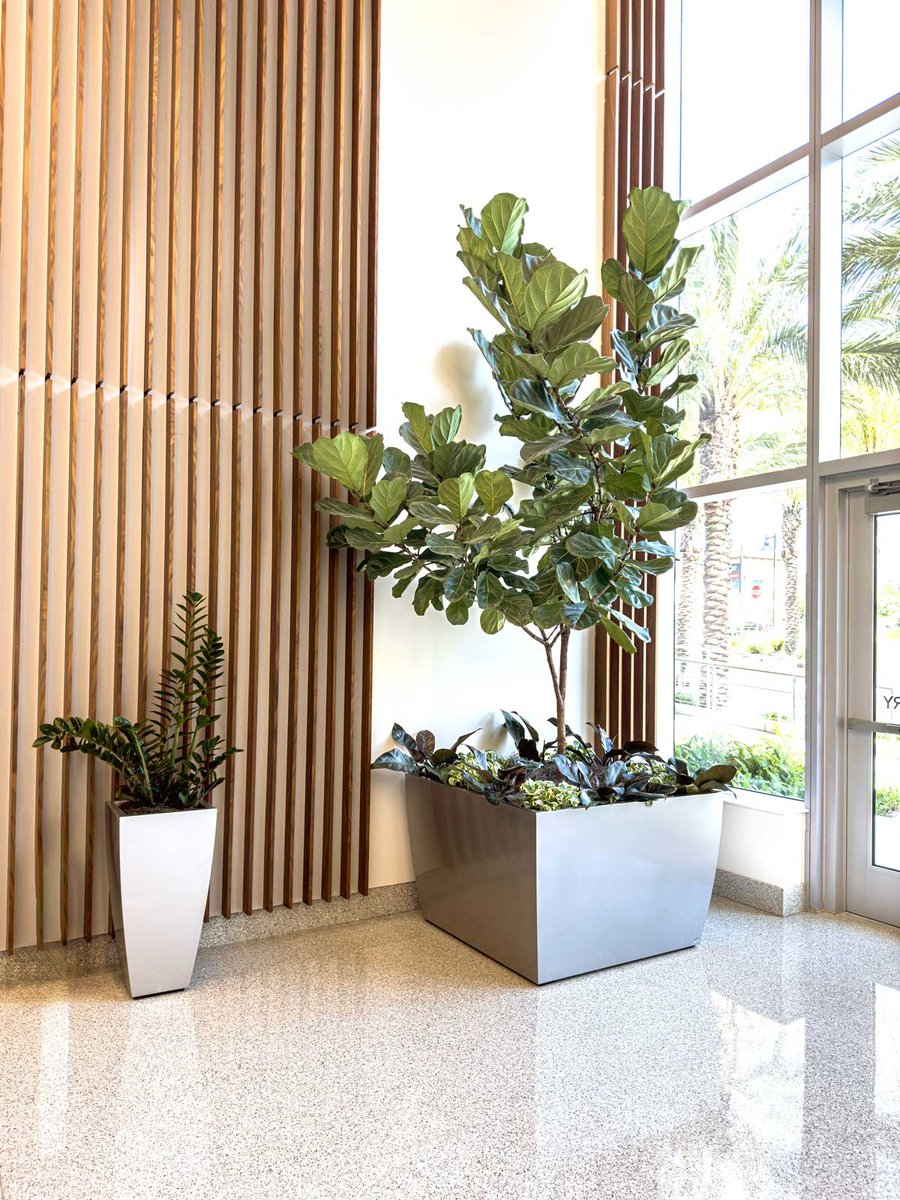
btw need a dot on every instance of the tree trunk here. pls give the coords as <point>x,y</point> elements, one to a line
<point>559,676</point>
<point>791,521</point>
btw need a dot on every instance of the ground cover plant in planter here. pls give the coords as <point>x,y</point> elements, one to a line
<point>556,542</point>
<point>160,825</point>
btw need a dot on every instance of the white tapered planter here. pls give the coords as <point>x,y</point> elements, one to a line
<point>159,870</point>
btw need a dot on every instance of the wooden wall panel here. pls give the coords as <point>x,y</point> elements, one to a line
<point>188,201</point>
<point>634,98</point>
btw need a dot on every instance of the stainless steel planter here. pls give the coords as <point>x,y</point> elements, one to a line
<point>556,894</point>
<point>159,868</point>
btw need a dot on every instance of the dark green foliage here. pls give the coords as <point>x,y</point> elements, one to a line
<point>543,778</point>
<point>172,758</point>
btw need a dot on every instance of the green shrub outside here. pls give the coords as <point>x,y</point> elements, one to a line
<point>766,766</point>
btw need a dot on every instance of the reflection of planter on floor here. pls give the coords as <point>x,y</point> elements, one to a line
<point>555,894</point>
<point>159,869</point>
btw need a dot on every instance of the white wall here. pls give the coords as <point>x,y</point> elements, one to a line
<point>477,98</point>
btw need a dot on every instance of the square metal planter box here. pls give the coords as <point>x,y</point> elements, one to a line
<point>159,869</point>
<point>556,894</point>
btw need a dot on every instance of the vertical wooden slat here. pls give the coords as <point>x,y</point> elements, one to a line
<point>125,291</point>
<point>72,495</point>
<point>150,231</point>
<point>118,660</point>
<point>194,315</point>
<point>365,779</point>
<point>215,415</point>
<point>372,261</point>
<point>42,662</point>
<point>315,525</point>
<point>51,191</point>
<point>172,251</point>
<point>347,741</point>
<point>274,655</point>
<point>171,329</point>
<point>336,412</point>
<point>253,657</point>
<point>231,720</point>
<point>278,399</point>
<point>2,101</point>
<point>302,60</point>
<point>147,403</point>
<point>216,273</point>
<point>237,311</point>
<point>365,749</point>
<point>347,775</point>
<point>97,513</point>
<point>256,437</point>
<point>196,187</point>
<point>41,715</point>
<point>18,535</point>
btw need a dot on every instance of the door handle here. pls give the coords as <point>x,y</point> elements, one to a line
<point>872,726</point>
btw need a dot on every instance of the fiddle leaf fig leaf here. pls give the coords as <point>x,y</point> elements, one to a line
<point>387,498</point>
<point>502,221</point>
<point>671,282</point>
<point>456,495</point>
<point>494,489</point>
<point>576,325</point>
<point>397,462</point>
<point>349,513</point>
<point>618,635</point>
<point>550,292</point>
<point>343,458</point>
<point>492,620</point>
<point>445,426</point>
<point>374,458</point>
<point>649,226</point>
<point>419,425</point>
<point>576,362</point>
<point>637,300</point>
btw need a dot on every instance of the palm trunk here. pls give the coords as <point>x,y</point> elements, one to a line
<point>685,617</point>
<point>717,596</point>
<point>719,417</point>
<point>791,521</point>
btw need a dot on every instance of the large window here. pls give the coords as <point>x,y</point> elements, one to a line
<point>789,153</point>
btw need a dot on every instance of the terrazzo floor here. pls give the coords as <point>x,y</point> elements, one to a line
<point>385,1059</point>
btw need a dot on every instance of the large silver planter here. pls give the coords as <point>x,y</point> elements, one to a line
<point>159,868</point>
<point>556,894</point>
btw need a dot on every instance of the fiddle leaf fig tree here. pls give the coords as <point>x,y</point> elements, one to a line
<point>562,538</point>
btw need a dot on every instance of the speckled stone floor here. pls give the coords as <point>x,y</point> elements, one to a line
<point>385,1059</point>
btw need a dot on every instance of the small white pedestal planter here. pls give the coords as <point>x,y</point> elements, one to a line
<point>159,869</point>
<point>556,894</point>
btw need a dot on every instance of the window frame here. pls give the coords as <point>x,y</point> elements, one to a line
<point>819,159</point>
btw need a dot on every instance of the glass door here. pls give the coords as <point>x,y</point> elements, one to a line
<point>873,705</point>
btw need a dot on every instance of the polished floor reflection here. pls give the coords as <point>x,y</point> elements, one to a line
<point>385,1059</point>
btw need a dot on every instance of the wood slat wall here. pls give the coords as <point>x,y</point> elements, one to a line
<point>187,279</point>
<point>634,101</point>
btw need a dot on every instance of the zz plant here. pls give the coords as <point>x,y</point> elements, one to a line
<point>172,759</point>
<point>560,539</point>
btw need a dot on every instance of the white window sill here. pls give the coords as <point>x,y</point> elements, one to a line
<point>779,805</point>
